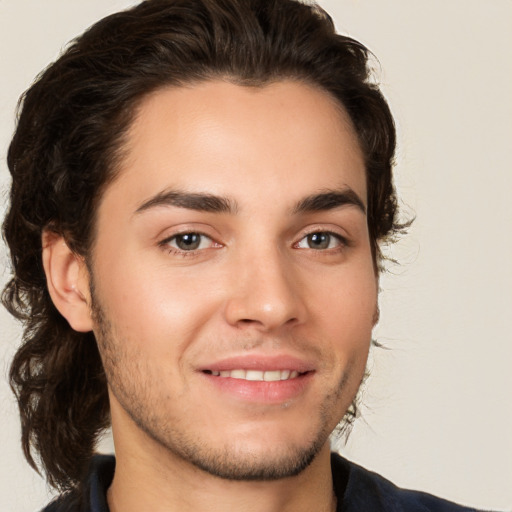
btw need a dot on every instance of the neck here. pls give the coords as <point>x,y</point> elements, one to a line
<point>153,479</point>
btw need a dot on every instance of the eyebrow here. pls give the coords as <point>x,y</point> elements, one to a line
<point>211,203</point>
<point>329,200</point>
<point>190,200</point>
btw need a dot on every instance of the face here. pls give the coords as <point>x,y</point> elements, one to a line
<point>232,278</point>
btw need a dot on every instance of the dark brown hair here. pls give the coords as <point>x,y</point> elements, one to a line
<point>69,138</point>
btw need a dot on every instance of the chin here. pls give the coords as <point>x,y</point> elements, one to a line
<point>254,465</point>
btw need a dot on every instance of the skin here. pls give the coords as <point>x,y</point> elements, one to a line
<point>258,285</point>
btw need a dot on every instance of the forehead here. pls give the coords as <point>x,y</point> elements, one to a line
<point>283,140</point>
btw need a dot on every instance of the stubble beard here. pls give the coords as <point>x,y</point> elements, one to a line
<point>227,462</point>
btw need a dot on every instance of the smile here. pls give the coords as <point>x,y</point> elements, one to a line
<point>259,381</point>
<point>256,375</point>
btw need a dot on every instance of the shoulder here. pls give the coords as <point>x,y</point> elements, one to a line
<point>366,490</point>
<point>91,497</point>
<point>69,502</point>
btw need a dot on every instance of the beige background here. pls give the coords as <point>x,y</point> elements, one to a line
<point>438,412</point>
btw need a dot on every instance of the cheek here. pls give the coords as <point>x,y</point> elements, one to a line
<point>344,310</point>
<point>347,299</point>
<point>150,304</point>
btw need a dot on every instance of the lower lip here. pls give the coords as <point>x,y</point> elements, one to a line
<point>275,392</point>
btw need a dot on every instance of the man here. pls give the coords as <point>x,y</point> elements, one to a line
<point>200,190</point>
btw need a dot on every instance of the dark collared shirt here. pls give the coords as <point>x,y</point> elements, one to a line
<point>357,490</point>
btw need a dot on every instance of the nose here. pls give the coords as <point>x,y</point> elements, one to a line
<point>266,293</point>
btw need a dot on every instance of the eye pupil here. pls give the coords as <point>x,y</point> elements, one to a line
<point>188,241</point>
<point>319,240</point>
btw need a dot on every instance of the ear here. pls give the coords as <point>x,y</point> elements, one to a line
<point>376,315</point>
<point>67,279</point>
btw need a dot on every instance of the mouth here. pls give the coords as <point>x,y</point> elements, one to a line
<point>256,375</point>
<point>260,379</point>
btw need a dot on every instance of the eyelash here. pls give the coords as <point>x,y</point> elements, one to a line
<point>342,241</point>
<point>165,244</point>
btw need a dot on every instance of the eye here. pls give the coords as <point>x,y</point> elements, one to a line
<point>321,240</point>
<point>188,242</point>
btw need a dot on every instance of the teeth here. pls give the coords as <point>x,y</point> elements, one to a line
<point>272,376</point>
<point>254,375</point>
<point>257,375</point>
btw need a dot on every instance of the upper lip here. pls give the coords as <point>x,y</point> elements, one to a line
<point>262,362</point>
